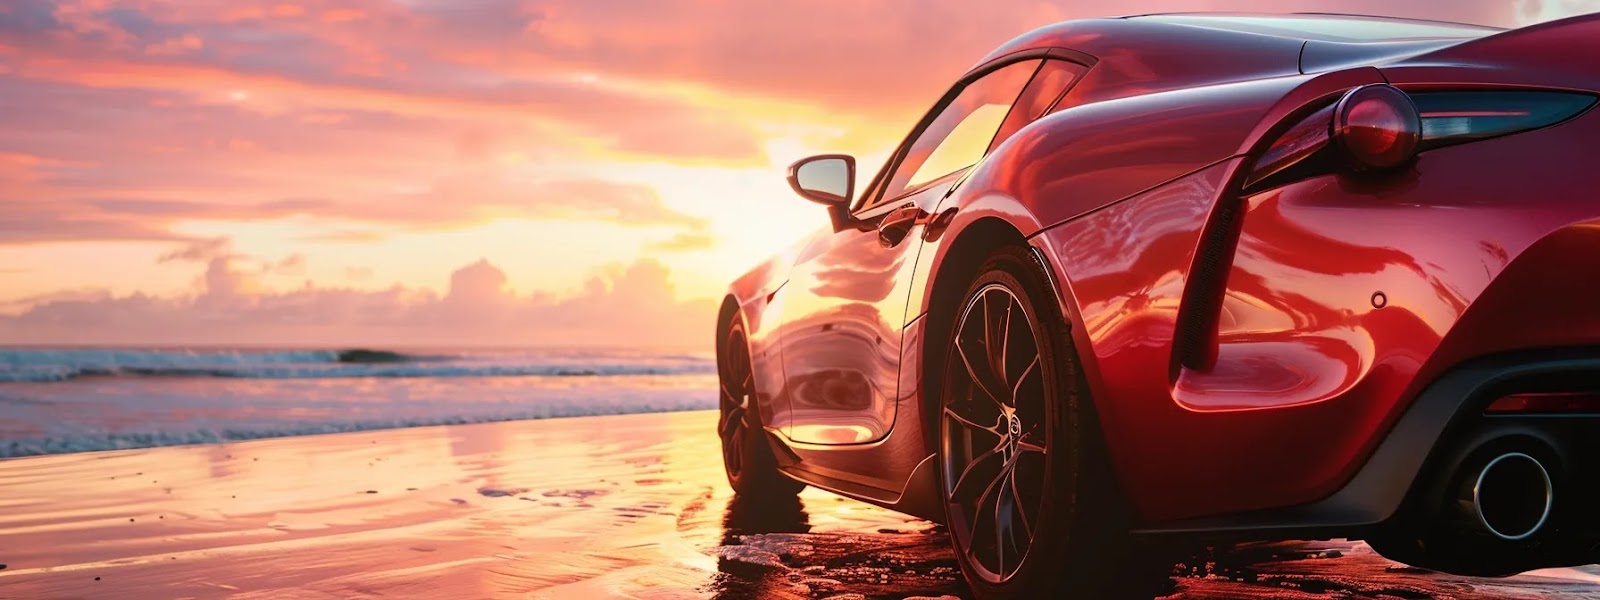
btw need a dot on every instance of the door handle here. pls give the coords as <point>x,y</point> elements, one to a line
<point>896,225</point>
<point>936,224</point>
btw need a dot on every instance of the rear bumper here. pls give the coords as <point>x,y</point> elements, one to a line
<point>1444,425</point>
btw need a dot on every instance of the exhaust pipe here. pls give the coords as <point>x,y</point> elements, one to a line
<point>1509,497</point>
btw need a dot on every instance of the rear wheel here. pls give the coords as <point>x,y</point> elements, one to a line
<point>1030,501</point>
<point>751,469</point>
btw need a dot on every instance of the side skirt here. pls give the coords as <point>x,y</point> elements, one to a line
<point>919,497</point>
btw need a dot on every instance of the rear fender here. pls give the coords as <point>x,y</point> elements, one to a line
<point>1563,54</point>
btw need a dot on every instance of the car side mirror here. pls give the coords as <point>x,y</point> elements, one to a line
<point>829,180</point>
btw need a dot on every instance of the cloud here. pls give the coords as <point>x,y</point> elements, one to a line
<point>22,223</point>
<point>467,198</point>
<point>629,306</point>
<point>472,195</point>
<point>358,273</point>
<point>684,241</point>
<point>200,251</point>
<point>293,264</point>
<point>391,65</point>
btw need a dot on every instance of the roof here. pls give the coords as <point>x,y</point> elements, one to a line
<point>1326,27</point>
<point>1150,53</point>
<point>1211,31</point>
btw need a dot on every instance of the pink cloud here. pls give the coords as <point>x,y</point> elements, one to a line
<point>634,306</point>
<point>379,64</point>
<point>454,201</point>
<point>120,119</point>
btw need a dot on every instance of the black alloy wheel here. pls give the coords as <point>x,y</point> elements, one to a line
<point>746,456</point>
<point>1031,500</point>
<point>995,433</point>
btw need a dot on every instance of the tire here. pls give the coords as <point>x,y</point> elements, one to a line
<point>1020,418</point>
<point>746,456</point>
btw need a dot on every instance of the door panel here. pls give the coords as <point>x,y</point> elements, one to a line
<point>842,331</point>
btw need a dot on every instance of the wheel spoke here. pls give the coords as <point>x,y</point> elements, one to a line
<point>736,381</point>
<point>966,472</point>
<point>1016,496</point>
<point>731,449</point>
<point>1001,524</point>
<point>988,342</point>
<point>977,507</point>
<point>954,415</point>
<point>980,381</point>
<point>998,324</point>
<point>1028,371</point>
<point>731,419</point>
<point>1029,467</point>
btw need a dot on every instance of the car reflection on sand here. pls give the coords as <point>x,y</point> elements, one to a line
<point>771,550</point>
<point>761,539</point>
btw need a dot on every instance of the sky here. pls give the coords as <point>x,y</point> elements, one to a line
<point>460,172</point>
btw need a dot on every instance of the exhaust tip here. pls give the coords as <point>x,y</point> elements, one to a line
<point>1512,496</point>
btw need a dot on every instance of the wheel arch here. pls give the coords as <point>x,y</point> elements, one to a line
<point>957,261</point>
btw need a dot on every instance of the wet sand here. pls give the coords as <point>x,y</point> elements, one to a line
<point>600,507</point>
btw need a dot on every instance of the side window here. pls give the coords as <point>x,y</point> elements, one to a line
<point>1041,95</point>
<point>960,135</point>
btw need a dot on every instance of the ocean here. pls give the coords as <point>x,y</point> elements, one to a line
<point>55,400</point>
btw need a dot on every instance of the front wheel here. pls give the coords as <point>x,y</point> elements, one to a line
<point>748,461</point>
<point>1030,501</point>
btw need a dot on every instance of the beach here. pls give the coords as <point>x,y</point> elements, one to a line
<point>628,506</point>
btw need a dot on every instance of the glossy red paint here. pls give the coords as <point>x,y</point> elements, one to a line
<point>1309,372</point>
<point>1126,189</point>
<point>843,312</point>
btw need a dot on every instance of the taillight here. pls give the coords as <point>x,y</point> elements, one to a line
<point>1306,138</point>
<point>1458,117</point>
<point>1376,128</point>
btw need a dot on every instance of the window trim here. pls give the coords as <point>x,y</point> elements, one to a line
<point>1078,72</point>
<point>871,198</point>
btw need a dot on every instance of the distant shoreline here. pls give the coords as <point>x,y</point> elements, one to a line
<point>9,451</point>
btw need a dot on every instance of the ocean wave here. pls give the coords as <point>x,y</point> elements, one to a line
<point>101,441</point>
<point>51,365</point>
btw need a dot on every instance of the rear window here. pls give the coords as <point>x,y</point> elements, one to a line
<point>1331,28</point>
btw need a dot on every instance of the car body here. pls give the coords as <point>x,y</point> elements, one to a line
<point>1316,351</point>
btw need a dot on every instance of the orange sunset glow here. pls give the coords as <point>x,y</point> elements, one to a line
<point>457,172</point>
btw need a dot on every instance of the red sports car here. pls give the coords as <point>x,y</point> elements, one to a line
<point>1203,278</point>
